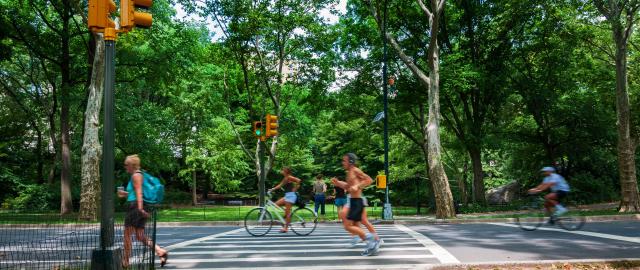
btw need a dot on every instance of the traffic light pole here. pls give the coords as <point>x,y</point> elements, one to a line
<point>108,257</point>
<point>263,177</point>
<point>387,212</point>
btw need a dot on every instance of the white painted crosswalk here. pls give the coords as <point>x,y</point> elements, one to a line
<point>327,248</point>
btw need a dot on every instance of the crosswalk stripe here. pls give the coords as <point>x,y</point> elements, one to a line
<point>341,237</point>
<point>266,240</point>
<point>281,259</point>
<point>298,245</point>
<point>236,249</point>
<point>259,251</point>
<point>186,243</point>
<point>332,267</point>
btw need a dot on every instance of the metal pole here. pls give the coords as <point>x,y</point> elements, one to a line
<point>387,212</point>
<point>263,177</point>
<point>106,221</point>
<point>108,256</point>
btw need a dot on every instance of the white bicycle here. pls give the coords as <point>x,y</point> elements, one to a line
<point>259,221</point>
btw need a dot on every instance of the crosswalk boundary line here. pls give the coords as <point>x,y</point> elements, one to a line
<point>442,254</point>
<point>585,233</point>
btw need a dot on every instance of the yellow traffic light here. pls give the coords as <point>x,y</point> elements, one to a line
<point>272,125</point>
<point>257,129</point>
<point>129,18</point>
<point>100,15</point>
<point>381,181</point>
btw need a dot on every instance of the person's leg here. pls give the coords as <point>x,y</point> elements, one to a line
<point>343,217</point>
<point>128,232</point>
<point>160,252</point>
<point>316,203</point>
<point>280,202</point>
<point>353,227</point>
<point>552,198</point>
<point>322,202</point>
<point>366,223</point>
<point>287,216</point>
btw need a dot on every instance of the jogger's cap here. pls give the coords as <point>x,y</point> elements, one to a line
<point>548,169</point>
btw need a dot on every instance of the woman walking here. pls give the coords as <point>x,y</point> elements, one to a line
<point>137,215</point>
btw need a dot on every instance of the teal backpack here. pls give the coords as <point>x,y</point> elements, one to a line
<point>152,189</point>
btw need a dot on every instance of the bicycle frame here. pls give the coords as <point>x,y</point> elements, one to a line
<point>269,206</point>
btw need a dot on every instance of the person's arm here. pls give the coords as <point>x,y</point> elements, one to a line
<point>324,187</point>
<point>137,188</point>
<point>278,185</point>
<point>364,179</point>
<point>338,183</point>
<point>542,187</point>
<point>122,194</point>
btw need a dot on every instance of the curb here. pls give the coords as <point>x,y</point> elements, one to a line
<point>632,217</point>
<point>540,263</point>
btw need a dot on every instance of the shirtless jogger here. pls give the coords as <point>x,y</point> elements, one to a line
<point>356,181</point>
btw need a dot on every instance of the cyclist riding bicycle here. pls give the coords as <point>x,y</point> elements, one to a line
<point>290,184</point>
<point>559,189</point>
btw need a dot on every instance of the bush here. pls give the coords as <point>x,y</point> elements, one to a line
<point>177,197</point>
<point>586,188</point>
<point>32,197</point>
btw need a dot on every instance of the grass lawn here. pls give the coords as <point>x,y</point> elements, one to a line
<point>237,213</point>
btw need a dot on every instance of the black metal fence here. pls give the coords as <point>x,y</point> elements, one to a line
<point>39,240</point>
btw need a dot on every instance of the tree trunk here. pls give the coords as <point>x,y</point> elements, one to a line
<point>194,191</point>
<point>462,184</point>
<point>478,177</point>
<point>66,204</point>
<point>51,117</point>
<point>630,201</point>
<point>439,180</point>
<point>91,147</point>
<point>40,172</point>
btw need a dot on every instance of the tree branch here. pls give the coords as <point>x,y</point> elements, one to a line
<point>424,79</point>
<point>424,8</point>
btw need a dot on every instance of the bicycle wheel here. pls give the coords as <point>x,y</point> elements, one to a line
<point>529,217</point>
<point>258,221</point>
<point>572,220</point>
<point>303,221</point>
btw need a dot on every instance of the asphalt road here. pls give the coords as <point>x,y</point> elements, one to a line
<point>405,247</point>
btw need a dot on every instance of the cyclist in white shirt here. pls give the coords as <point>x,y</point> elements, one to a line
<point>559,189</point>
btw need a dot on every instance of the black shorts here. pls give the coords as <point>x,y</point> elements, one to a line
<point>561,194</point>
<point>355,209</point>
<point>134,218</point>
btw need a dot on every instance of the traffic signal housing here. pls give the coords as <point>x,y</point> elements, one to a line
<point>100,15</point>
<point>130,18</point>
<point>272,125</point>
<point>257,129</point>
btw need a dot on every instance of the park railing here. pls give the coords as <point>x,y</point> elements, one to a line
<point>45,240</point>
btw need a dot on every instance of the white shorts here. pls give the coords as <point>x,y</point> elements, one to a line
<point>290,197</point>
<point>348,204</point>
